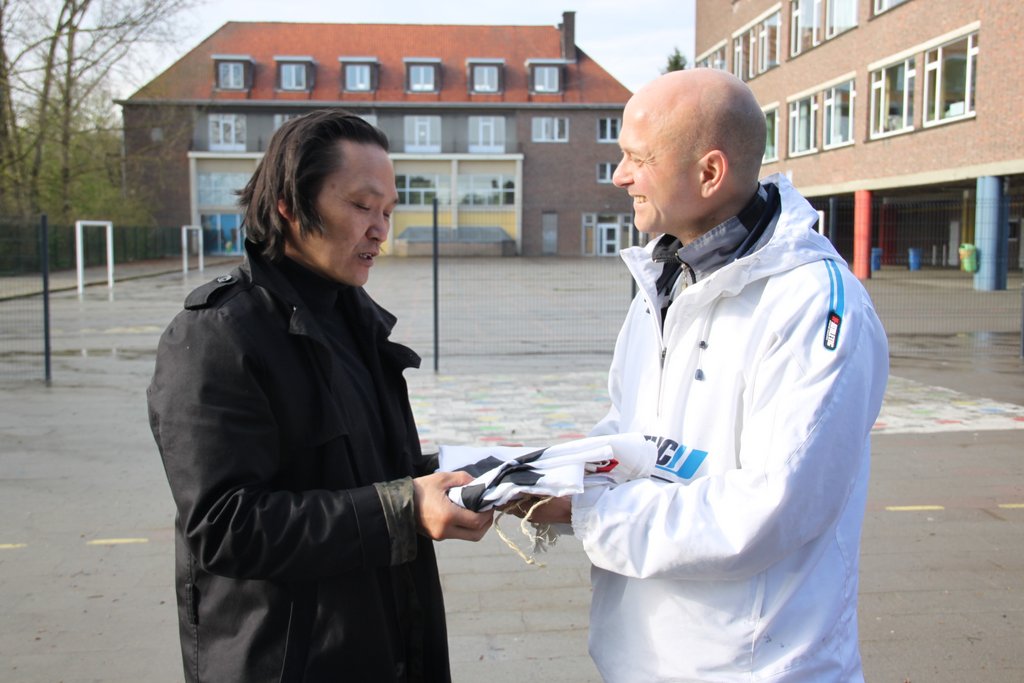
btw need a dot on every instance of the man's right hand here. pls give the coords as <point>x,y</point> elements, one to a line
<point>440,518</point>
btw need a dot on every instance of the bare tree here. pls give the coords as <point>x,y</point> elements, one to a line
<point>57,58</point>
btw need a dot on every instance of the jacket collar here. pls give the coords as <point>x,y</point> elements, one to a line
<point>301,320</point>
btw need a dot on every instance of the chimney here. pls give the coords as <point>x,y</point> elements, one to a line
<point>568,29</point>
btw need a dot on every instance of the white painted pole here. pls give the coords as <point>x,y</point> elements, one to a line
<point>110,255</point>
<point>79,257</point>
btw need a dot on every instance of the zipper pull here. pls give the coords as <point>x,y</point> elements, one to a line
<point>664,351</point>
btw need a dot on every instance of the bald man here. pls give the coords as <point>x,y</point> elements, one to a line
<point>754,359</point>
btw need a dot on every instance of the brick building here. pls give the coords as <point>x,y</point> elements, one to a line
<point>512,128</point>
<point>899,118</point>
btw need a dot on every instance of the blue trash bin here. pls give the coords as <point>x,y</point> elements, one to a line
<point>876,258</point>
<point>914,259</point>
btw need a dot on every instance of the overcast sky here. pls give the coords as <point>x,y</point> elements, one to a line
<point>631,39</point>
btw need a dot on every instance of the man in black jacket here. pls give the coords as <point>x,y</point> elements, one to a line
<point>306,512</point>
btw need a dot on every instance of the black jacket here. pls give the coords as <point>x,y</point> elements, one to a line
<point>285,563</point>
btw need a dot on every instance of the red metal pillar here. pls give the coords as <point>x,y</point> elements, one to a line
<point>862,234</point>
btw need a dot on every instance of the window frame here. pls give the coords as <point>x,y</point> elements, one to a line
<point>550,133</point>
<point>476,133</point>
<point>222,122</point>
<point>439,187</point>
<point>280,118</point>
<point>878,79</point>
<point>536,82</point>
<point>415,71</point>
<point>226,69</point>
<point>294,66</point>
<point>935,65</point>
<point>828,125</point>
<point>832,30</point>
<point>605,171</point>
<point>714,58</point>
<point>794,123</point>
<point>476,68</point>
<point>414,125</point>
<point>771,132</point>
<point>605,126</point>
<point>881,6</point>
<point>469,189</point>
<point>358,64</point>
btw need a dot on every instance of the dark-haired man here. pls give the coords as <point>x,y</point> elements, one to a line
<point>305,510</point>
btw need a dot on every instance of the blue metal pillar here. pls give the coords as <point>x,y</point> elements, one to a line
<point>991,235</point>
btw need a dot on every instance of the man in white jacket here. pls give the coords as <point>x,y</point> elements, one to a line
<point>755,360</point>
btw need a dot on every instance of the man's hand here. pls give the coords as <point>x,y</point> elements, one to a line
<point>438,517</point>
<point>554,511</point>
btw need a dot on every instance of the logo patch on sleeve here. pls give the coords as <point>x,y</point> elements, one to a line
<point>832,324</point>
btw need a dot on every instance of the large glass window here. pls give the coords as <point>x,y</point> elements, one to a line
<point>950,79</point>
<point>486,134</point>
<point>550,129</point>
<point>420,189</point>
<point>485,77</point>
<point>842,16</point>
<point>423,134</point>
<point>807,25</point>
<point>803,133</point>
<point>892,98</point>
<point>771,145</point>
<point>814,21</point>
<point>231,75</point>
<point>293,76</point>
<point>358,77</point>
<point>218,189</point>
<point>227,132</point>
<point>605,171</point>
<point>838,115</point>
<point>487,189</point>
<point>545,79</point>
<point>768,43</point>
<point>741,55</point>
<point>608,129</point>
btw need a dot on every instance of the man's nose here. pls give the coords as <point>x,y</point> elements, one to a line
<point>621,177</point>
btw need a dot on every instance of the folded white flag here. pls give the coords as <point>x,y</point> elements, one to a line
<point>506,472</point>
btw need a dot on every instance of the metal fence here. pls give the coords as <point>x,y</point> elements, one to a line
<point>516,314</point>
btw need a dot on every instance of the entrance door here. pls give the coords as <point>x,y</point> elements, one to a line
<point>607,239</point>
<point>549,233</point>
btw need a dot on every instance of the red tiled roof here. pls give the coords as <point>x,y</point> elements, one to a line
<point>192,77</point>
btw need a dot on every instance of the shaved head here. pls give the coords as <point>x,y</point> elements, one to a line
<point>692,143</point>
<point>707,109</point>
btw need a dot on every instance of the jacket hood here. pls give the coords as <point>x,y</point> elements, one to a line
<point>794,241</point>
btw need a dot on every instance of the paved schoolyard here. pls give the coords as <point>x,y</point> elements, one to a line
<point>85,516</point>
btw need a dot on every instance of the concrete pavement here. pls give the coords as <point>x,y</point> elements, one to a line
<point>85,515</point>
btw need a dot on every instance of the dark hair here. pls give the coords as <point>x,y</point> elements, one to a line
<point>300,155</point>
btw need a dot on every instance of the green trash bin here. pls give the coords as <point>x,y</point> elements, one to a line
<point>968,258</point>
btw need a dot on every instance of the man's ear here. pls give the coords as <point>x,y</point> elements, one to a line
<point>714,166</point>
<point>282,208</point>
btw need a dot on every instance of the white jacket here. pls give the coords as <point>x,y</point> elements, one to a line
<point>740,563</point>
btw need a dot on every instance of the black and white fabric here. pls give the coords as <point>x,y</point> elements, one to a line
<point>503,473</point>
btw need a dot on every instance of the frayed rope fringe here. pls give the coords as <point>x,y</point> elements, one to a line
<point>541,536</point>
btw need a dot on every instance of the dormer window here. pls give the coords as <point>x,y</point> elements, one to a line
<point>359,74</point>
<point>294,73</point>
<point>545,75</point>
<point>422,74</point>
<point>485,75</point>
<point>233,72</point>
